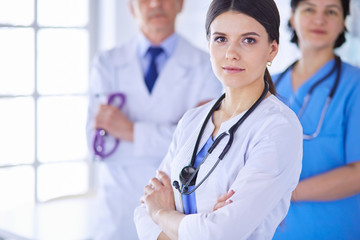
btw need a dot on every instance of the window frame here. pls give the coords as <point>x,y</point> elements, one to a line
<point>92,29</point>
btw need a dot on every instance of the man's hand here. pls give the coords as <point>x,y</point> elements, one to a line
<point>114,122</point>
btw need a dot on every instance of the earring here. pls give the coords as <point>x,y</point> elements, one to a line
<point>269,64</point>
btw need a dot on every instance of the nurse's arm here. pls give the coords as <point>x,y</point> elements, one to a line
<point>160,205</point>
<point>336,184</point>
<point>166,217</point>
<point>169,221</point>
<point>222,201</point>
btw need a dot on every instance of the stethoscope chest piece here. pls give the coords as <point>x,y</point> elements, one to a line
<point>186,174</point>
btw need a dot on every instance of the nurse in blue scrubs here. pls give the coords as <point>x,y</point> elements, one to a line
<point>326,203</point>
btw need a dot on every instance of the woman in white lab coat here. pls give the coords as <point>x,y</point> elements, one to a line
<point>247,143</point>
<point>147,121</point>
<point>185,81</point>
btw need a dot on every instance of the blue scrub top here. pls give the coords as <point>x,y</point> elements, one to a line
<point>337,144</point>
<point>189,201</point>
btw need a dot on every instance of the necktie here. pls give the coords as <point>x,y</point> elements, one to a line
<point>152,73</point>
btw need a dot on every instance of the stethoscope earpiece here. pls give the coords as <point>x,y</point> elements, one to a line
<point>176,185</point>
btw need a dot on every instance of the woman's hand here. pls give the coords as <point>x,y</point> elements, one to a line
<point>158,196</point>
<point>160,205</point>
<point>224,200</point>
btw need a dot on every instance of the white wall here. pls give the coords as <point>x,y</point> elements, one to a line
<point>117,26</point>
<point>350,51</point>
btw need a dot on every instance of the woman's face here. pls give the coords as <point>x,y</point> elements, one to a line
<point>318,23</point>
<point>239,49</point>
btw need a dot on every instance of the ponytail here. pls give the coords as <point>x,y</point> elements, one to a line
<point>268,79</point>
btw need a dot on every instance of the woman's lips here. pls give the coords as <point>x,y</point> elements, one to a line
<point>230,69</point>
<point>318,31</point>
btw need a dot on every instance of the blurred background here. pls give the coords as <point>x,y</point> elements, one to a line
<point>47,179</point>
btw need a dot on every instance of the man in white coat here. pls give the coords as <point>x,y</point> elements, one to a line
<point>145,124</point>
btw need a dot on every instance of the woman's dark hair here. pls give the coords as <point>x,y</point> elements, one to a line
<point>339,41</point>
<point>263,11</point>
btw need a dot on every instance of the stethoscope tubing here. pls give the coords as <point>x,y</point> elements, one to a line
<point>337,68</point>
<point>212,147</point>
<point>231,133</point>
<point>202,180</point>
<point>100,134</point>
<point>319,126</point>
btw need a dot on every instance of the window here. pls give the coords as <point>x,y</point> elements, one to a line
<point>44,62</point>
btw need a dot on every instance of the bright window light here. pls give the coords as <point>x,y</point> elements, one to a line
<point>63,61</point>
<point>17,138</point>
<point>16,187</point>
<point>68,13</point>
<point>44,65</point>
<point>56,180</point>
<point>17,12</point>
<point>61,128</point>
<point>16,60</point>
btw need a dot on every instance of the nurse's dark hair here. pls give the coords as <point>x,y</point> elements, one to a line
<point>263,11</point>
<point>341,38</point>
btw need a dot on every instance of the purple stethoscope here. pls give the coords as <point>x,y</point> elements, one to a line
<point>114,99</point>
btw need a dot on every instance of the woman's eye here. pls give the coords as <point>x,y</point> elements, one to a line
<point>220,39</point>
<point>249,40</point>
<point>310,10</point>
<point>331,12</point>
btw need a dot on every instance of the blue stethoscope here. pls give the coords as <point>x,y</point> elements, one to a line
<point>188,174</point>
<point>337,68</point>
<point>118,100</point>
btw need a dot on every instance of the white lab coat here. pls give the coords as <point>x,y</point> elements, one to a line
<point>185,81</point>
<point>262,166</point>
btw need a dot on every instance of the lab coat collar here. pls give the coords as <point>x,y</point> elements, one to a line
<point>180,57</point>
<point>140,45</point>
<point>171,75</point>
<point>168,45</point>
<point>126,56</point>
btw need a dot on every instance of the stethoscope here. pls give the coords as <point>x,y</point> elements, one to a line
<point>188,174</point>
<point>336,67</point>
<point>114,99</point>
